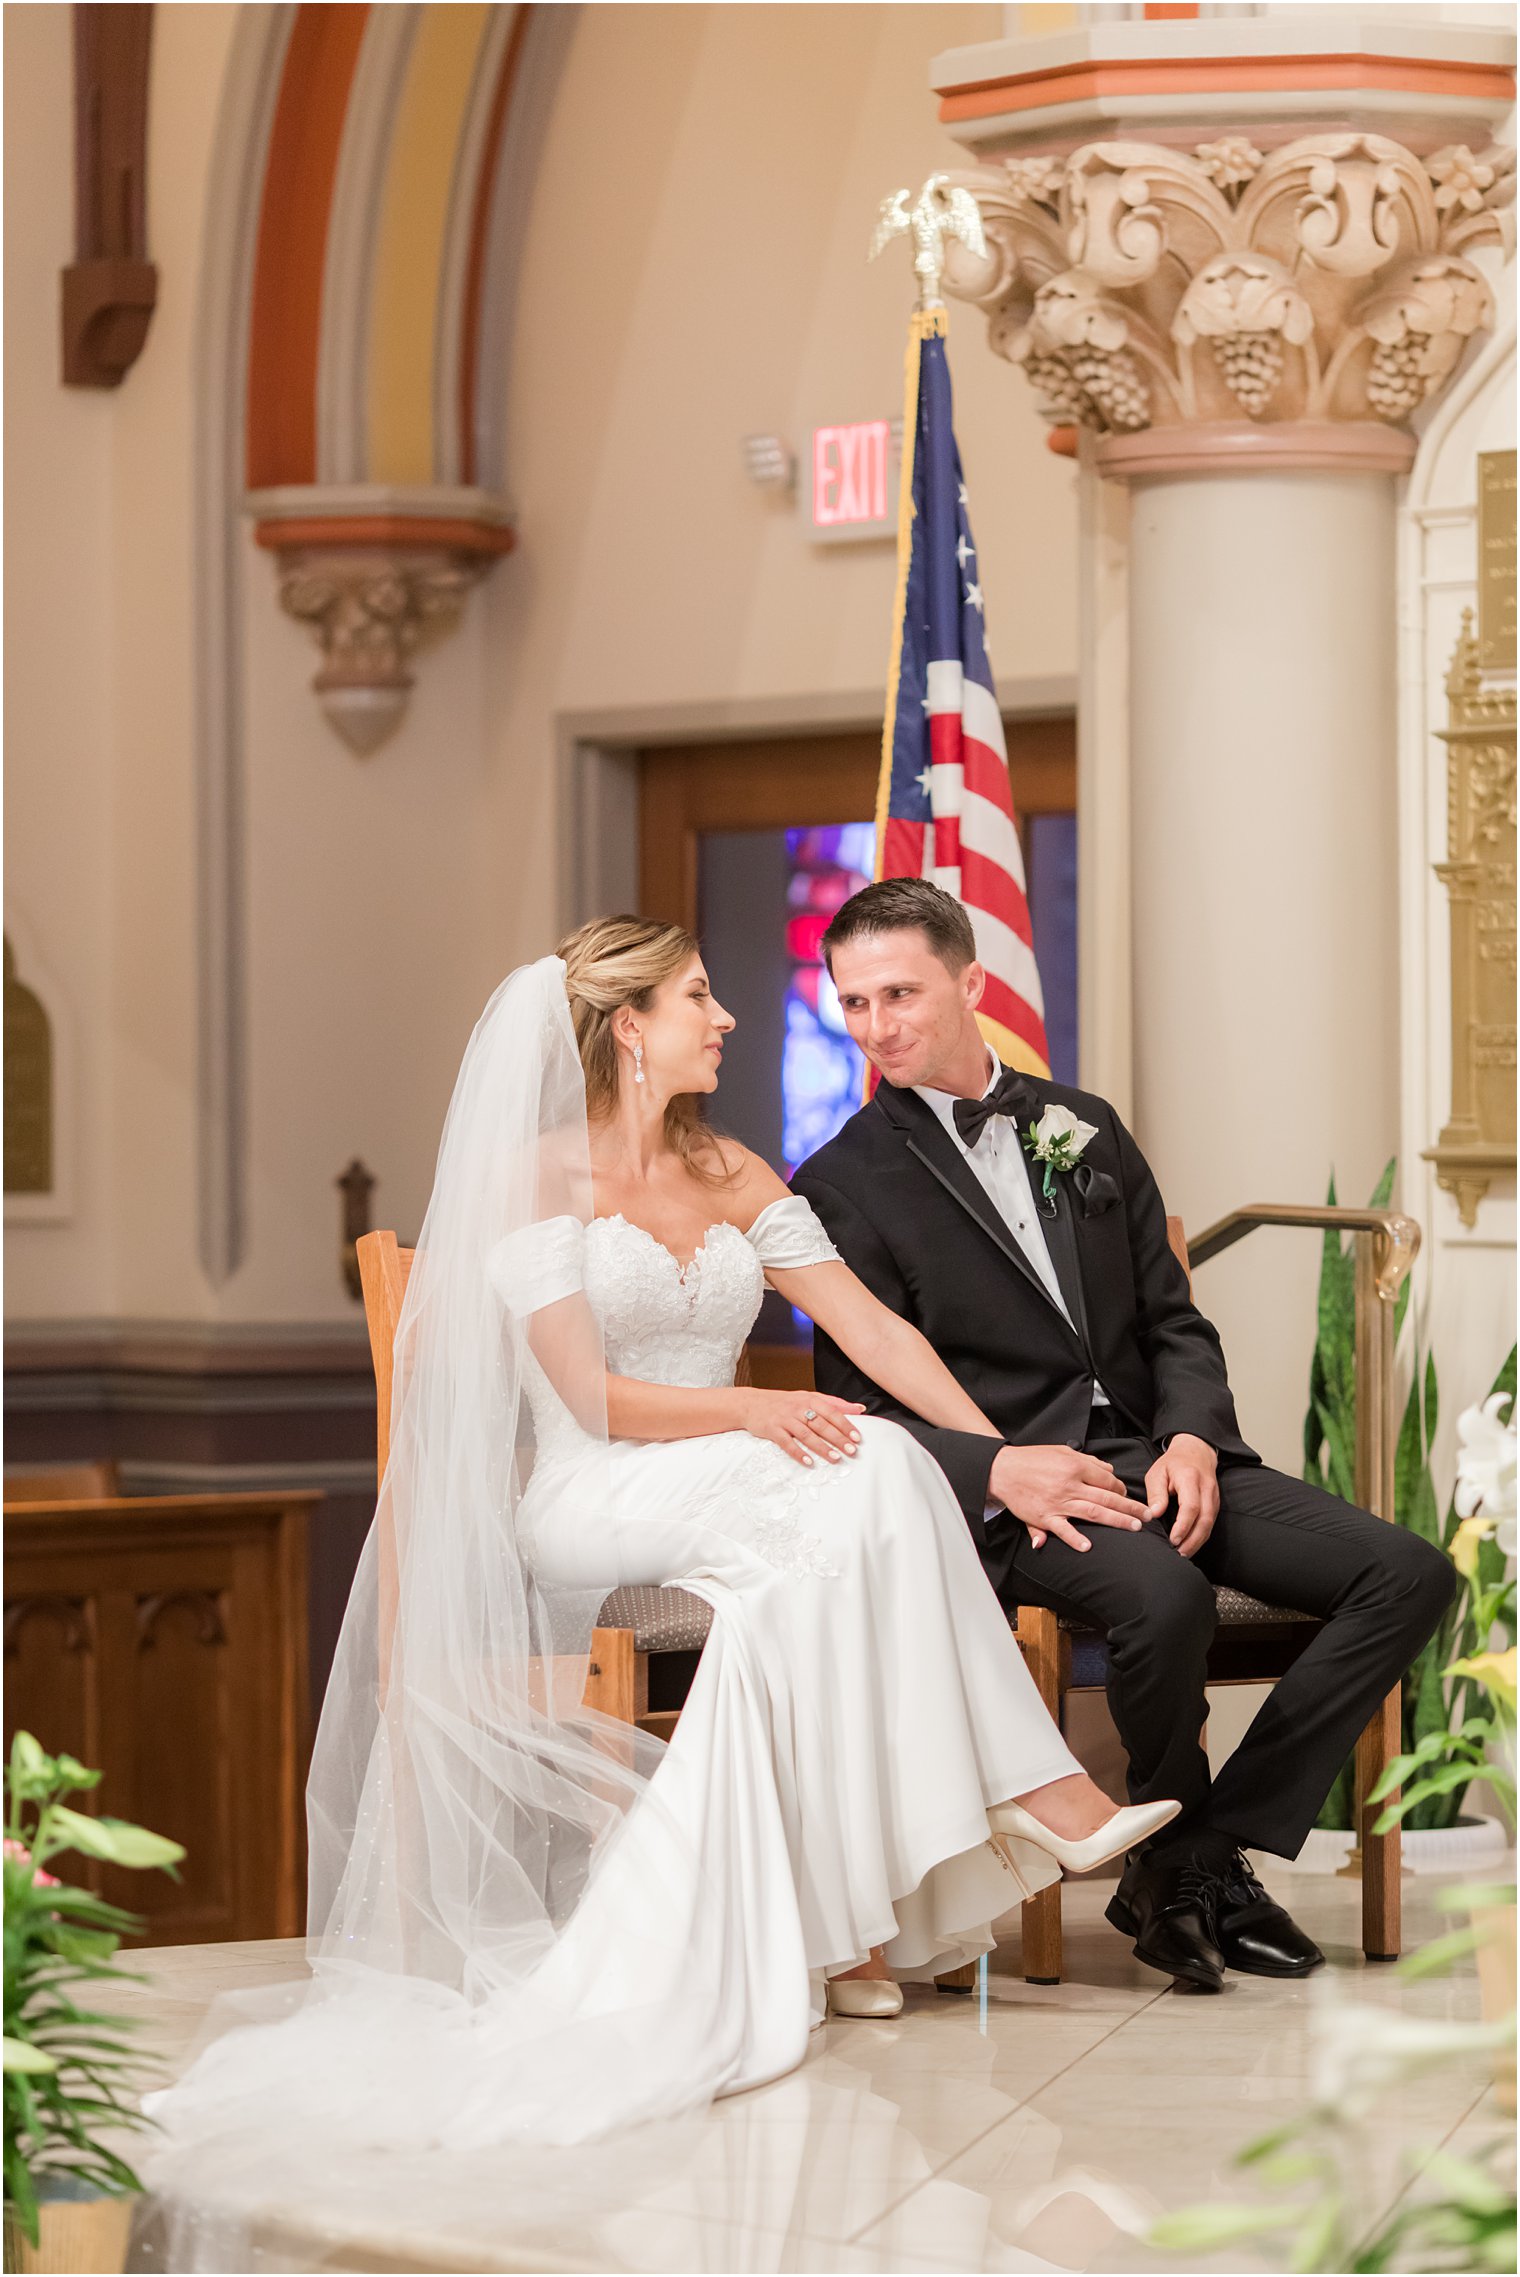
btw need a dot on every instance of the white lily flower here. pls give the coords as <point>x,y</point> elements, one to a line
<point>1486,1466</point>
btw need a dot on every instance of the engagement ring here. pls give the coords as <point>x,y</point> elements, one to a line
<point>810,1415</point>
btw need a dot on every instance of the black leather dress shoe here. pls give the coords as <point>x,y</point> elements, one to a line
<point>1166,1903</point>
<point>1256,1935</point>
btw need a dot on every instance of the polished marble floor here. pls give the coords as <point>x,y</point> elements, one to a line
<point>1032,2128</point>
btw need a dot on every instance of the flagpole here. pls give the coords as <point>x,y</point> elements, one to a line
<point>939,211</point>
<point>924,324</point>
<point>930,823</point>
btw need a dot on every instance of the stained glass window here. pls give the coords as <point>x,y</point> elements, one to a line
<point>822,1072</point>
<point>1050,858</point>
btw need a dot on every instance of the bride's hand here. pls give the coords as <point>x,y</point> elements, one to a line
<point>802,1424</point>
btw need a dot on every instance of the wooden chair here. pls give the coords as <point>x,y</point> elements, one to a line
<point>617,1678</point>
<point>1256,1641</point>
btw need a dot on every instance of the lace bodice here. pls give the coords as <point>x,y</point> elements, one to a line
<point>662,1322</point>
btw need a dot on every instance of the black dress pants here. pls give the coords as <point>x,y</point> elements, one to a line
<point>1379,1591</point>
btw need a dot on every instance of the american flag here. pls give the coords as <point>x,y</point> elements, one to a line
<point>945,805</point>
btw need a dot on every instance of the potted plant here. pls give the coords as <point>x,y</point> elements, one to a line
<point>1438,1837</point>
<point>1480,1748</point>
<point>1324,2171</point>
<point>71,2074</point>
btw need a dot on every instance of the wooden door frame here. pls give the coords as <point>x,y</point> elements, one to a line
<point>753,784</point>
<point>596,766</point>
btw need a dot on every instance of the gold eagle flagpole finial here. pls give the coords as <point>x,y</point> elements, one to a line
<point>942,209</point>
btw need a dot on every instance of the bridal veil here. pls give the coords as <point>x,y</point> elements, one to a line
<point>462,1803</point>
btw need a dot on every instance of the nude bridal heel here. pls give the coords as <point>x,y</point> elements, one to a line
<point>876,1997</point>
<point>1124,1831</point>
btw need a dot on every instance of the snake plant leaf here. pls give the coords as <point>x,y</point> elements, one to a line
<point>1414,1494</point>
<point>1340,1444</point>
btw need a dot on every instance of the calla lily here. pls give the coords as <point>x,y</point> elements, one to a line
<point>1466,1542</point>
<point>1495,1671</point>
<point>20,2055</point>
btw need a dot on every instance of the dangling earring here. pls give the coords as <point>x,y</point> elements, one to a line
<point>638,1063</point>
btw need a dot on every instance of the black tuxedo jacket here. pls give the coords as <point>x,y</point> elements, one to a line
<point>909,1215</point>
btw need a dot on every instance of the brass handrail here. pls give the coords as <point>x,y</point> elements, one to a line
<point>1387,1243</point>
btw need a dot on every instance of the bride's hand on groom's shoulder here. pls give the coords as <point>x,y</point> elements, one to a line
<point>1046,1488</point>
<point>802,1424</point>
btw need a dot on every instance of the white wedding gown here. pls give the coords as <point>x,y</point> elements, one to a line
<point>859,1704</point>
<point>860,1701</point>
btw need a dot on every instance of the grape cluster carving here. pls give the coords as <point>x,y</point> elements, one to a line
<point>1330,279</point>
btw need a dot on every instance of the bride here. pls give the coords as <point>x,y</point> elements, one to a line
<point>528,1922</point>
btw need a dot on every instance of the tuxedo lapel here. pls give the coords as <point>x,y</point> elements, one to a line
<point>1065,1252</point>
<point>927,1139</point>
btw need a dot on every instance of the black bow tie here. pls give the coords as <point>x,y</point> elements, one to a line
<point>1008,1096</point>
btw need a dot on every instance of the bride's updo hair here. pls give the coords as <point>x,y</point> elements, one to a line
<point>613,961</point>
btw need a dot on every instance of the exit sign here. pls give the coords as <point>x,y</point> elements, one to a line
<point>852,489</point>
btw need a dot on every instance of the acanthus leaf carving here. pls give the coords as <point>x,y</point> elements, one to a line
<point>1116,231</point>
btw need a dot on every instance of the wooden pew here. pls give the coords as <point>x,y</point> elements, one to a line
<point>162,1640</point>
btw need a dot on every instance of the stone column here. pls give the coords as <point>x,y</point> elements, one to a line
<point>1242,319</point>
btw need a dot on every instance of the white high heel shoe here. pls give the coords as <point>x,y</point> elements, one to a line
<point>875,1997</point>
<point>1128,1827</point>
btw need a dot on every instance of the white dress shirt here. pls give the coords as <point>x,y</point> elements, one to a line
<point>998,1161</point>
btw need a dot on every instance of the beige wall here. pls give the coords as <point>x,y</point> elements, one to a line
<point>60,884</point>
<point>694,270</point>
<point>99,837</point>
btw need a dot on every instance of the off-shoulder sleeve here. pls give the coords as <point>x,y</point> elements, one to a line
<point>788,1234</point>
<point>538,1264</point>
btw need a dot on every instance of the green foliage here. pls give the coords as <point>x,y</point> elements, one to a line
<point>1468,2224</point>
<point>1322,2170</point>
<point>1431,1698</point>
<point>70,2071</point>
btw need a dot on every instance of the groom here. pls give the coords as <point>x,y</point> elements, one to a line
<point>1122,1490</point>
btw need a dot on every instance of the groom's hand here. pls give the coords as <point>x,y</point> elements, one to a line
<point>1189,1469</point>
<point>1047,1487</point>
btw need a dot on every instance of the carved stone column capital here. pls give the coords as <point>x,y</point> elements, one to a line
<point>1237,306</point>
<point>375,575</point>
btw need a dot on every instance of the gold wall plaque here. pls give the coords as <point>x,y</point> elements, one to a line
<point>1496,561</point>
<point>28,1088</point>
<point>1479,876</point>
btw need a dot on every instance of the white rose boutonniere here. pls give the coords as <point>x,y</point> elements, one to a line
<point>1057,1140</point>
